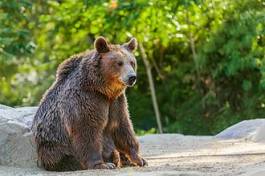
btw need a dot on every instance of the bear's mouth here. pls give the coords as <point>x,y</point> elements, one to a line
<point>131,81</point>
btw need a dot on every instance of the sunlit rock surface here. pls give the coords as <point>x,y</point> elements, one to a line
<point>16,147</point>
<point>252,130</point>
<point>238,150</point>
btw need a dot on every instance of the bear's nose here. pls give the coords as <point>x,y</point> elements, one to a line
<point>132,79</point>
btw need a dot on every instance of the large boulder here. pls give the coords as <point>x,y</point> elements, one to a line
<point>16,146</point>
<point>252,130</point>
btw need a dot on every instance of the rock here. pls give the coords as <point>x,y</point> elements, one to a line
<point>5,107</point>
<point>26,115</point>
<point>253,130</point>
<point>167,154</point>
<point>16,146</point>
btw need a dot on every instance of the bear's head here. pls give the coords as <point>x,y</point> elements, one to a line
<point>118,64</point>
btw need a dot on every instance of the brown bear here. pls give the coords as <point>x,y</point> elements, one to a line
<point>83,121</point>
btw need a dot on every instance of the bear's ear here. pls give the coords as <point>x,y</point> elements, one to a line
<point>101,45</point>
<point>131,45</point>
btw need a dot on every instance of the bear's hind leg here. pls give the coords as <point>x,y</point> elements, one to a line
<point>68,163</point>
<point>52,158</point>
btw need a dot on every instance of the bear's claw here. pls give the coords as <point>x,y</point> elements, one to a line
<point>105,166</point>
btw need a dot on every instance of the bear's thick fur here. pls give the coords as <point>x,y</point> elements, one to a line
<point>82,121</point>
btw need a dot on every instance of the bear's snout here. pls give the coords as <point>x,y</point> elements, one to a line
<point>131,80</point>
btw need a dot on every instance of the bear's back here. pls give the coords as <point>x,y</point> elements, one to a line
<point>67,67</point>
<point>47,114</point>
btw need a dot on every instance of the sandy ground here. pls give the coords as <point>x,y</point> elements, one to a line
<point>173,154</point>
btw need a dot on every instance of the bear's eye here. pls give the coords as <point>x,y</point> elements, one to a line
<point>120,63</point>
<point>132,64</point>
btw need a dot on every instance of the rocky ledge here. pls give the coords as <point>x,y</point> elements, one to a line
<point>238,150</point>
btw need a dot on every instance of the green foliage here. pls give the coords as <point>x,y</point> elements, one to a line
<point>207,56</point>
<point>231,61</point>
<point>16,44</point>
<point>144,132</point>
<point>15,37</point>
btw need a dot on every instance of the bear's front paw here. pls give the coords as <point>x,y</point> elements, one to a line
<point>139,161</point>
<point>105,166</point>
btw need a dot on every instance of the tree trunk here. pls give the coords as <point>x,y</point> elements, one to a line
<point>192,44</point>
<point>152,87</point>
<point>193,50</point>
